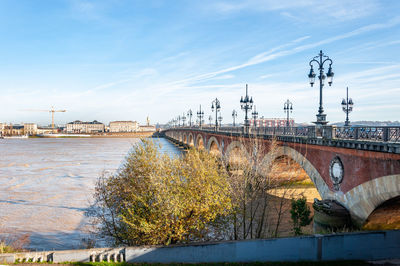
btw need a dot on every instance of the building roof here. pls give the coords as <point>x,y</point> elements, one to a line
<point>123,122</point>
<point>81,122</point>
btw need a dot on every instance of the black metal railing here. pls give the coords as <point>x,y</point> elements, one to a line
<point>386,134</point>
<point>367,133</point>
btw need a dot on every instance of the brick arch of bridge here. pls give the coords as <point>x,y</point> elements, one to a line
<point>293,154</point>
<point>185,138</point>
<point>190,139</point>
<point>234,144</point>
<point>213,145</point>
<point>200,141</point>
<point>307,166</point>
<point>363,199</point>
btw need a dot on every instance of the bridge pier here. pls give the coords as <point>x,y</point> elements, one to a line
<point>330,216</point>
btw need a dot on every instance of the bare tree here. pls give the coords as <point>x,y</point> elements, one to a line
<point>249,167</point>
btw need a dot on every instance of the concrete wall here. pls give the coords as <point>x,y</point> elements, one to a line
<point>350,246</point>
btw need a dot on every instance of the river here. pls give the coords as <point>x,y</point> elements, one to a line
<point>47,184</point>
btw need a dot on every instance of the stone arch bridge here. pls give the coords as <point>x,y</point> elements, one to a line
<point>359,167</point>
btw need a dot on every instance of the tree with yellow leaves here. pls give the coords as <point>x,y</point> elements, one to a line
<point>156,199</point>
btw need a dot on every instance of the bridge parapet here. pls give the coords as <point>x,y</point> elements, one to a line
<point>369,133</point>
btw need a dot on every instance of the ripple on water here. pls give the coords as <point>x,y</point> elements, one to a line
<point>48,199</point>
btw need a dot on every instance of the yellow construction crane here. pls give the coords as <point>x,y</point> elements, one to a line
<point>52,111</point>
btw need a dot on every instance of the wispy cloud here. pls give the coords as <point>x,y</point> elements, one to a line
<point>340,9</point>
<point>281,50</point>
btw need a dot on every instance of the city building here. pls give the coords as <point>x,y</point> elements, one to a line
<point>85,127</point>
<point>123,126</point>
<point>147,128</point>
<point>45,130</point>
<point>30,128</point>
<point>272,122</point>
<point>12,130</point>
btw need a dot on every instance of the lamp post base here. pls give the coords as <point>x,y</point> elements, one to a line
<point>321,120</point>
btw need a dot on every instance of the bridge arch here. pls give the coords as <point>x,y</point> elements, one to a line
<point>363,199</point>
<point>299,158</point>
<point>235,148</point>
<point>184,138</point>
<point>200,141</point>
<point>190,139</point>
<point>213,146</point>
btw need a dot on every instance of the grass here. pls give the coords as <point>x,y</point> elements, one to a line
<point>4,248</point>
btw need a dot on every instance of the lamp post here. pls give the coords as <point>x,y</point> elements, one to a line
<point>320,60</point>
<point>347,106</point>
<point>179,120</point>
<point>220,120</point>
<point>210,119</point>
<point>200,115</point>
<point>246,104</point>
<point>217,106</point>
<point>287,108</point>
<point>255,115</point>
<point>183,119</point>
<point>189,114</point>
<point>234,115</point>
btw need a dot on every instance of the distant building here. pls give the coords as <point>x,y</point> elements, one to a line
<point>123,126</point>
<point>85,127</point>
<point>147,128</point>
<point>12,130</point>
<point>272,122</point>
<point>45,130</point>
<point>30,128</point>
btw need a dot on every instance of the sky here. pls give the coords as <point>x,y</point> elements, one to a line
<point>128,60</point>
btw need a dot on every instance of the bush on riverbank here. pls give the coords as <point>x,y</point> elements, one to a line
<point>13,243</point>
<point>156,199</point>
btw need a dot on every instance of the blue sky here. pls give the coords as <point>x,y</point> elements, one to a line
<point>126,60</point>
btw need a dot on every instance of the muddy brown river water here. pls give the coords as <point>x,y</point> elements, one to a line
<point>46,185</point>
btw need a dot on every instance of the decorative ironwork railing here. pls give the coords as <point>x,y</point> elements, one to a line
<point>387,133</point>
<point>368,133</point>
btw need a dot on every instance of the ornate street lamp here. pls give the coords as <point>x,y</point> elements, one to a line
<point>320,60</point>
<point>183,119</point>
<point>179,120</point>
<point>287,108</point>
<point>200,115</point>
<point>254,114</point>
<point>217,106</point>
<point>220,120</point>
<point>246,104</point>
<point>234,115</point>
<point>347,106</point>
<point>210,120</point>
<point>189,114</point>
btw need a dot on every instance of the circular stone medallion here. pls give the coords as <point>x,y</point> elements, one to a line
<point>336,172</point>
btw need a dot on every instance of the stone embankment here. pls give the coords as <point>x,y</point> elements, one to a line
<point>369,246</point>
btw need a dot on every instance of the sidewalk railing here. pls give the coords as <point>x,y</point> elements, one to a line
<point>368,133</point>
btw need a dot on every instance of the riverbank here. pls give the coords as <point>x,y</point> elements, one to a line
<point>96,135</point>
